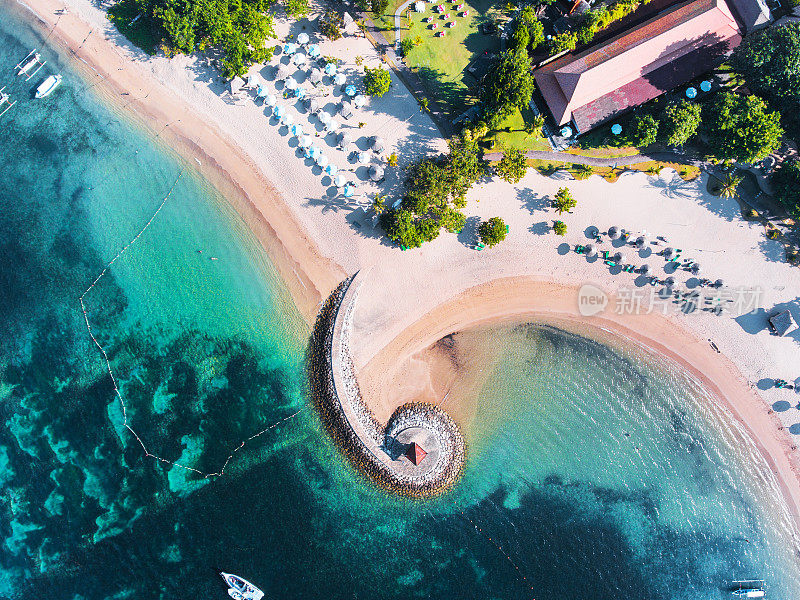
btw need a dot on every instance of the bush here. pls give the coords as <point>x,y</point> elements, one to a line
<point>521,38</point>
<point>406,44</point>
<point>493,231</point>
<point>296,9</point>
<point>563,201</point>
<point>379,6</point>
<point>508,85</point>
<point>643,131</point>
<point>559,228</point>
<point>679,122</point>
<point>786,184</point>
<point>740,128</point>
<point>377,81</point>
<point>512,166</point>
<point>563,42</point>
<point>331,25</point>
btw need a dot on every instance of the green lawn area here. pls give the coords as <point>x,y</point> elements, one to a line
<point>385,22</point>
<point>124,16</point>
<point>512,133</point>
<point>440,61</point>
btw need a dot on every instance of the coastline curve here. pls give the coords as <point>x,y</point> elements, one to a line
<point>377,451</point>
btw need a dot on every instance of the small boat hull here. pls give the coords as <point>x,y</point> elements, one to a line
<point>48,86</point>
<point>241,589</point>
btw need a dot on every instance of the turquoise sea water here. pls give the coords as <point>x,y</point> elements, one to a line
<point>593,474</point>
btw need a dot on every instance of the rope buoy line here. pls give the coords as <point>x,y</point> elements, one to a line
<point>499,549</point>
<point>117,392</point>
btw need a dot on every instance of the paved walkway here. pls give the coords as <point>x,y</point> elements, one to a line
<point>618,161</point>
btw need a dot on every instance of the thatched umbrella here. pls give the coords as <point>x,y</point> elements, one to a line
<point>719,283</point>
<point>283,72</point>
<point>641,242</point>
<point>313,105</point>
<point>619,257</point>
<point>669,253</point>
<point>669,282</point>
<point>696,269</point>
<point>315,77</point>
<point>645,270</point>
<point>344,140</point>
<point>614,232</point>
<point>591,250</point>
<point>376,173</point>
<point>377,144</point>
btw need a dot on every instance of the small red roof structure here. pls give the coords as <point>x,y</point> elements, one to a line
<point>415,453</point>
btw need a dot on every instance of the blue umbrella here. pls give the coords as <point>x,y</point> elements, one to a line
<point>313,50</point>
<point>262,91</point>
<point>300,92</point>
<point>331,169</point>
<point>289,48</point>
<point>691,92</point>
<point>315,153</point>
<point>616,129</point>
<point>350,90</point>
<point>566,131</point>
<point>330,69</point>
<point>309,151</point>
<point>348,190</point>
<point>278,111</point>
<point>297,130</point>
<point>705,86</point>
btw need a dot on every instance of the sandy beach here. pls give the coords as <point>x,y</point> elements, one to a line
<point>411,300</point>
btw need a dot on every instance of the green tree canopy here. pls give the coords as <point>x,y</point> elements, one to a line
<point>297,9</point>
<point>563,201</point>
<point>786,185</point>
<point>769,61</point>
<point>493,231</point>
<point>331,23</point>
<point>559,228</point>
<point>740,128</point>
<point>377,81</point>
<point>643,131</point>
<point>679,122</point>
<point>512,166</point>
<point>509,84</point>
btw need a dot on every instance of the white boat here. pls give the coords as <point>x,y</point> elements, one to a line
<point>26,66</point>
<point>48,85</point>
<point>241,589</point>
<point>5,102</point>
<point>750,588</point>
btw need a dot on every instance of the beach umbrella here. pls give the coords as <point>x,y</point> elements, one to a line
<point>313,50</point>
<point>300,92</point>
<point>348,190</point>
<point>302,38</point>
<point>377,144</point>
<point>331,169</point>
<point>340,180</point>
<point>330,69</point>
<point>619,257</point>
<point>359,101</point>
<point>669,282</point>
<point>312,104</point>
<point>261,91</point>
<point>278,111</point>
<point>315,77</point>
<point>324,116</point>
<point>297,130</point>
<point>291,83</point>
<point>363,157</point>
<point>566,131</point>
<point>350,90</point>
<point>287,119</point>
<point>719,283</point>
<point>616,129</point>
<point>645,270</point>
<point>289,48</point>
<point>669,253</point>
<point>340,79</point>
<point>641,242</point>
<point>283,72</point>
<point>344,140</point>
<point>346,111</point>
<point>691,93</point>
<point>613,232</point>
<point>376,173</point>
<point>590,250</point>
<point>308,152</point>
<point>332,125</point>
<point>270,100</point>
<point>299,59</point>
<point>696,269</point>
<point>705,86</point>
<point>322,160</point>
<point>306,141</point>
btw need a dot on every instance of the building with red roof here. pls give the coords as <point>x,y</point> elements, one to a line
<point>415,453</point>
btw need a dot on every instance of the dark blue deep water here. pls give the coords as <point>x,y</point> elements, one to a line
<point>631,486</point>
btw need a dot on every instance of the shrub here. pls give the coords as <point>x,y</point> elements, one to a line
<point>643,131</point>
<point>563,201</point>
<point>512,166</point>
<point>406,44</point>
<point>377,81</point>
<point>786,185</point>
<point>740,128</point>
<point>493,231</point>
<point>296,8</point>
<point>679,122</point>
<point>379,6</point>
<point>563,42</point>
<point>559,228</point>
<point>392,160</point>
<point>331,24</point>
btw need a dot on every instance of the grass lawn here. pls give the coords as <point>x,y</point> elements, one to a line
<point>440,61</point>
<point>385,22</point>
<point>545,167</point>
<point>140,33</point>
<point>512,133</point>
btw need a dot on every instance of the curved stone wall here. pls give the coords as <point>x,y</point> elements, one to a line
<point>375,449</point>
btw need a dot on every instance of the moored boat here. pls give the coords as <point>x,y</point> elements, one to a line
<point>48,85</point>
<point>28,64</point>
<point>241,589</point>
<point>750,588</point>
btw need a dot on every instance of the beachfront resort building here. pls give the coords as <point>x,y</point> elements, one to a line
<point>682,42</point>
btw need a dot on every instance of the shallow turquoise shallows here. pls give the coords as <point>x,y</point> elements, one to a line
<point>592,473</point>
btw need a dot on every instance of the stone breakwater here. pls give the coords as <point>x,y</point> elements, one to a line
<point>374,449</point>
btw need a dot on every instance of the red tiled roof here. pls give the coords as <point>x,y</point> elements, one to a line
<point>619,71</point>
<point>415,453</point>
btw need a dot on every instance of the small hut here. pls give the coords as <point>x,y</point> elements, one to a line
<point>782,323</point>
<point>415,453</point>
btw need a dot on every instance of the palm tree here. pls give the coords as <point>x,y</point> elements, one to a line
<point>730,185</point>
<point>379,204</point>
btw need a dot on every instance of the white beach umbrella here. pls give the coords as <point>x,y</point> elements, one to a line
<point>349,190</point>
<point>291,83</point>
<point>377,144</point>
<point>376,173</point>
<point>261,91</point>
<point>313,50</point>
<point>340,79</point>
<point>332,125</point>
<point>344,140</point>
<point>287,119</point>
<point>359,101</point>
<point>340,180</point>
<point>299,59</point>
<point>324,117</point>
<point>619,257</point>
<point>306,141</point>
<point>322,160</point>
<point>270,100</point>
<point>590,250</point>
<point>297,130</point>
<point>363,157</point>
<point>330,69</point>
<point>614,232</point>
<point>331,169</point>
<point>278,111</point>
<point>302,38</point>
<point>315,153</point>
